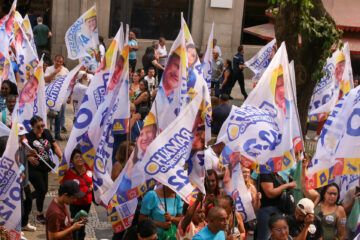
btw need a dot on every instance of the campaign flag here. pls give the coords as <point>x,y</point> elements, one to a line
<point>7,28</point>
<point>265,128</point>
<point>4,130</point>
<point>82,37</point>
<point>261,60</point>
<point>338,149</point>
<point>165,157</point>
<point>112,112</point>
<point>31,99</point>
<point>26,26</point>
<point>94,96</point>
<point>56,91</point>
<point>6,70</point>
<point>10,192</point>
<point>241,195</point>
<point>345,182</point>
<point>208,56</point>
<point>337,81</point>
<point>25,55</point>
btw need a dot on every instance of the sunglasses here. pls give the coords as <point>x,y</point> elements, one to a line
<point>282,229</point>
<point>40,127</point>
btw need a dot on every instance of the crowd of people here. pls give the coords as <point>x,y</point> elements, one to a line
<point>161,213</point>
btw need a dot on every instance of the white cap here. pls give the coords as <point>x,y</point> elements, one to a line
<point>21,129</point>
<point>306,206</point>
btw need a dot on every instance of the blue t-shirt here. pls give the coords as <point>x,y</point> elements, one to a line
<point>154,207</point>
<point>132,54</point>
<point>14,66</point>
<point>205,234</point>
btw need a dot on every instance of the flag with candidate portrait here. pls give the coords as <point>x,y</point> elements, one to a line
<point>82,37</point>
<point>94,96</point>
<point>338,149</point>
<point>114,110</point>
<point>261,60</point>
<point>10,193</point>
<point>337,81</point>
<point>7,28</point>
<point>57,91</point>
<point>266,127</point>
<point>26,26</point>
<point>6,69</point>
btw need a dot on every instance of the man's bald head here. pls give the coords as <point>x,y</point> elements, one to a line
<point>215,212</point>
<point>216,53</point>
<point>217,218</point>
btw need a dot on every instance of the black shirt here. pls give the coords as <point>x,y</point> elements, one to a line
<point>265,201</point>
<point>295,228</point>
<point>219,115</point>
<point>238,60</point>
<point>42,145</point>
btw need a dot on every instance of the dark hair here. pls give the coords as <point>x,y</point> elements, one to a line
<point>74,152</point>
<point>151,68</point>
<point>275,218</point>
<point>230,199</point>
<point>212,172</point>
<point>12,86</point>
<point>324,189</point>
<point>101,40</point>
<point>35,119</point>
<point>147,228</point>
<point>161,39</point>
<point>145,83</point>
<point>228,61</point>
<point>240,48</point>
<point>57,56</point>
<point>120,155</point>
<point>149,54</point>
<point>224,97</point>
<point>3,141</point>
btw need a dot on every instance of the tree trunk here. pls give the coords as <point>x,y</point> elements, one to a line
<point>306,56</point>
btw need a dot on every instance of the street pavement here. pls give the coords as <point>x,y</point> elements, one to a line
<point>98,226</point>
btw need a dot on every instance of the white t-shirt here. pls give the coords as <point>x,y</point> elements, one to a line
<point>150,81</point>
<point>212,160</point>
<point>77,96</point>
<point>51,69</point>
<point>162,52</point>
<point>102,51</point>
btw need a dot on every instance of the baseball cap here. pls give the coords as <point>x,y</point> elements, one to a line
<point>71,188</point>
<point>306,206</point>
<point>21,129</point>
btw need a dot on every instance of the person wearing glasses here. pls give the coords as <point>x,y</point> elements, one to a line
<point>303,224</point>
<point>41,141</point>
<point>332,215</point>
<point>278,228</point>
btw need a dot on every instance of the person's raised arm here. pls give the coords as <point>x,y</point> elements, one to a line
<point>191,211</point>
<point>271,192</point>
<point>311,194</point>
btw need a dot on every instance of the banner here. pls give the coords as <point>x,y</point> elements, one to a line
<point>6,70</point>
<point>114,110</point>
<point>94,96</point>
<point>261,60</point>
<point>266,127</point>
<point>4,130</point>
<point>207,59</point>
<point>7,28</point>
<point>82,37</point>
<point>31,99</point>
<point>26,26</point>
<point>57,91</point>
<point>10,192</point>
<point>338,148</point>
<point>338,81</point>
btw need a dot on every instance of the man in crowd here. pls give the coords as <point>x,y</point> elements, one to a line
<point>216,68</point>
<point>162,53</point>
<point>132,51</point>
<point>216,47</point>
<point>239,66</point>
<point>303,224</point>
<point>58,222</point>
<point>6,114</point>
<point>150,78</point>
<point>52,73</point>
<point>220,114</point>
<point>41,35</point>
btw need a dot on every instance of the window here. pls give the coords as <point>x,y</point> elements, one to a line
<point>150,19</point>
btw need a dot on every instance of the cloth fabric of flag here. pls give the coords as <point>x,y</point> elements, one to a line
<point>265,127</point>
<point>208,56</point>
<point>338,149</point>
<point>337,81</point>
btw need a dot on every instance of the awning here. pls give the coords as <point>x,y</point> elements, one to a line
<point>267,32</point>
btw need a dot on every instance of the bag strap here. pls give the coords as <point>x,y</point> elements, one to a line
<point>77,172</point>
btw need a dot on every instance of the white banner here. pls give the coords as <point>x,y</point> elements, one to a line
<point>10,192</point>
<point>338,148</point>
<point>57,91</point>
<point>264,128</point>
<point>208,56</point>
<point>7,28</point>
<point>82,37</point>
<point>26,26</point>
<point>6,69</point>
<point>338,81</point>
<point>261,60</point>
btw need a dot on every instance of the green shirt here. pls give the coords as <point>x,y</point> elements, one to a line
<point>41,32</point>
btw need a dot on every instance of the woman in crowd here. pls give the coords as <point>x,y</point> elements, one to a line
<point>271,188</point>
<point>149,60</point>
<point>142,100</point>
<point>135,85</point>
<point>255,195</point>
<point>141,73</point>
<point>333,216</point>
<point>120,157</point>
<point>79,90</point>
<point>213,190</point>
<point>278,228</point>
<point>40,139</point>
<point>7,88</point>
<point>224,84</point>
<point>80,173</point>
<point>164,207</point>
<point>235,226</point>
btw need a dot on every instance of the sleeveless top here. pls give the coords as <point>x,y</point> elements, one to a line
<point>328,223</point>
